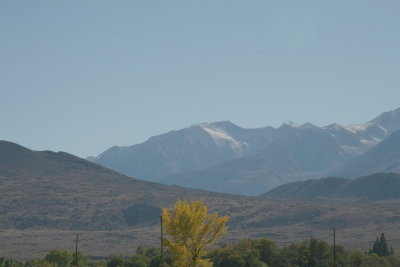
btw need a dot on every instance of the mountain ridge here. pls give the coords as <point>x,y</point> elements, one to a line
<point>187,157</point>
<point>378,186</point>
<point>307,153</point>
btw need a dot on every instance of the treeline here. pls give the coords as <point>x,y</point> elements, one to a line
<point>244,253</point>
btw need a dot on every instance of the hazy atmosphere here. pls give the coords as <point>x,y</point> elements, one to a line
<point>199,133</point>
<point>83,76</point>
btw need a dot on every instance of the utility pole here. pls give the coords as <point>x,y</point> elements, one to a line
<point>76,249</point>
<point>162,242</point>
<point>334,246</point>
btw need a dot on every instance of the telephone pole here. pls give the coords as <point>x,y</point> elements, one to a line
<point>76,249</point>
<point>162,242</point>
<point>334,246</point>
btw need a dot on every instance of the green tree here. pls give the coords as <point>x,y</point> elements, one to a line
<point>116,261</point>
<point>380,246</point>
<point>383,247</point>
<point>356,258</point>
<point>59,257</point>
<point>81,260</point>
<point>268,250</point>
<point>242,254</point>
<point>139,260</point>
<point>226,256</point>
<point>141,250</point>
<point>190,229</point>
<point>35,263</point>
<point>310,253</point>
<point>393,260</point>
<point>373,260</point>
<point>9,262</point>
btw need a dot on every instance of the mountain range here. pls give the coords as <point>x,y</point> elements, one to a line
<point>48,197</point>
<point>224,157</point>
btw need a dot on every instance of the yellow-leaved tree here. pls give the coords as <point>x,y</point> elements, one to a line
<point>190,229</point>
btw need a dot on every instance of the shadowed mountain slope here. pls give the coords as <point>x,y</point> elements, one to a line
<point>379,186</point>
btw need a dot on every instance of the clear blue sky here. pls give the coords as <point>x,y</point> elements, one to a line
<point>81,76</point>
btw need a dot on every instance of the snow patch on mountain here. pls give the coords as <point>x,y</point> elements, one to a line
<point>356,128</point>
<point>221,138</point>
<point>370,142</point>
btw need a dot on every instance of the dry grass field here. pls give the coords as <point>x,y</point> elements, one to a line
<point>358,224</point>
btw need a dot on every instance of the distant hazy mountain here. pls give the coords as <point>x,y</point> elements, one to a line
<point>227,158</point>
<point>380,186</point>
<point>306,153</point>
<point>303,152</point>
<point>384,157</point>
<point>193,148</point>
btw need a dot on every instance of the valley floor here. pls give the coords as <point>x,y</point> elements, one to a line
<point>28,244</point>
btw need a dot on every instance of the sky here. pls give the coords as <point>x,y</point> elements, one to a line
<point>82,76</point>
